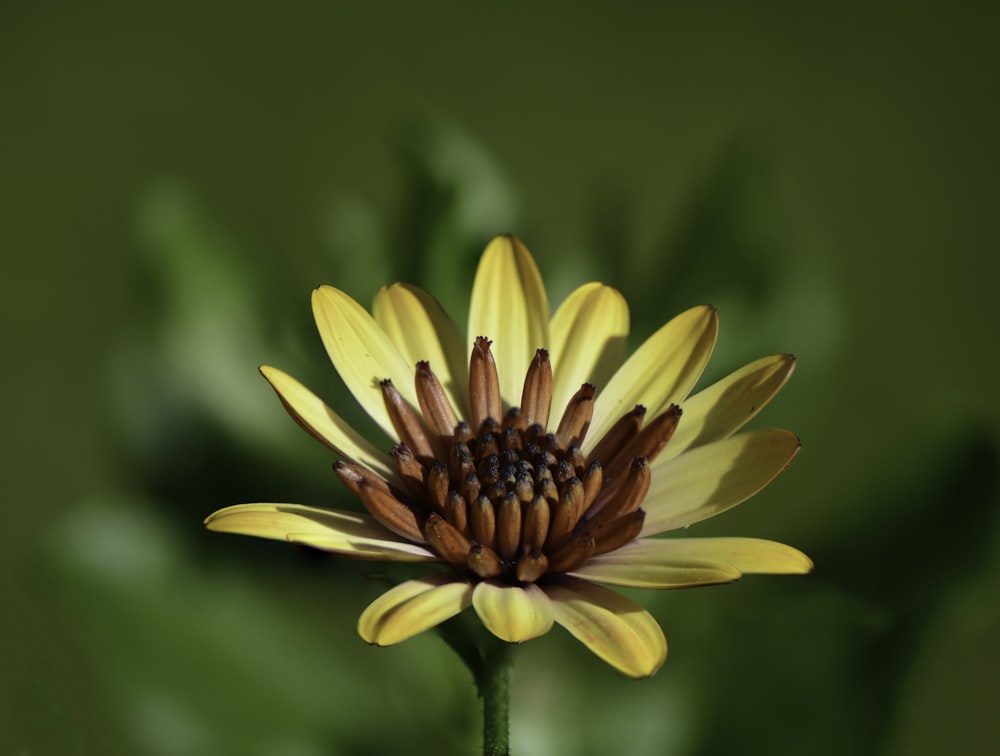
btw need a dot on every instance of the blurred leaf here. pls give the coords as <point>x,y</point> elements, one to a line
<point>455,199</point>
<point>218,661</point>
<point>196,342</point>
<point>721,249</point>
<point>849,638</point>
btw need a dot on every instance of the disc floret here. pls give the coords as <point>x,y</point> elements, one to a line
<point>500,496</point>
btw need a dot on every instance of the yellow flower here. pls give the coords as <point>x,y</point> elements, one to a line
<point>533,513</point>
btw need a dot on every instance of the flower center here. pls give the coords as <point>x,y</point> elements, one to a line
<point>500,496</point>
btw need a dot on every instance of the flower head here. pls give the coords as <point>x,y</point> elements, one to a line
<point>540,468</point>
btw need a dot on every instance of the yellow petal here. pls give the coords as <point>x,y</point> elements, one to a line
<point>513,613</point>
<point>629,569</point>
<point>509,307</point>
<point>615,628</point>
<point>660,372</point>
<point>422,330</point>
<point>747,555</point>
<point>724,407</point>
<point>588,334</point>
<point>713,478</point>
<point>361,352</point>
<point>412,607</point>
<point>325,425</point>
<point>348,533</point>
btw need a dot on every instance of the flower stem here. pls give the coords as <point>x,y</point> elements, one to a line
<point>493,689</point>
<point>488,659</point>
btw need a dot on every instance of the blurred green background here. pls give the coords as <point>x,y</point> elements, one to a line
<point>175,179</point>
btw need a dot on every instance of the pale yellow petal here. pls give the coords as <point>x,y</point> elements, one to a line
<point>588,335</point>
<point>513,613</point>
<point>422,330</point>
<point>348,533</point>
<point>412,607</point>
<point>362,353</point>
<point>713,478</point>
<point>629,569</point>
<point>724,407</point>
<point>509,306</point>
<point>325,425</point>
<point>660,372</point>
<point>615,628</point>
<point>748,555</point>
<point>691,562</point>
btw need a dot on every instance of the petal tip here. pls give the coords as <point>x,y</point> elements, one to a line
<point>212,522</point>
<point>325,290</point>
<point>370,640</point>
<point>641,674</point>
<point>785,436</point>
<point>791,361</point>
<point>644,671</point>
<point>807,564</point>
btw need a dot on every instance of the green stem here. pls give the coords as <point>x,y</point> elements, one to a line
<point>493,689</point>
<point>488,659</point>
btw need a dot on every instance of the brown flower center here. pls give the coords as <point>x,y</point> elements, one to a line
<point>501,496</point>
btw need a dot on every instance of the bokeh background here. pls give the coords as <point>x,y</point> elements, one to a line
<point>175,178</point>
